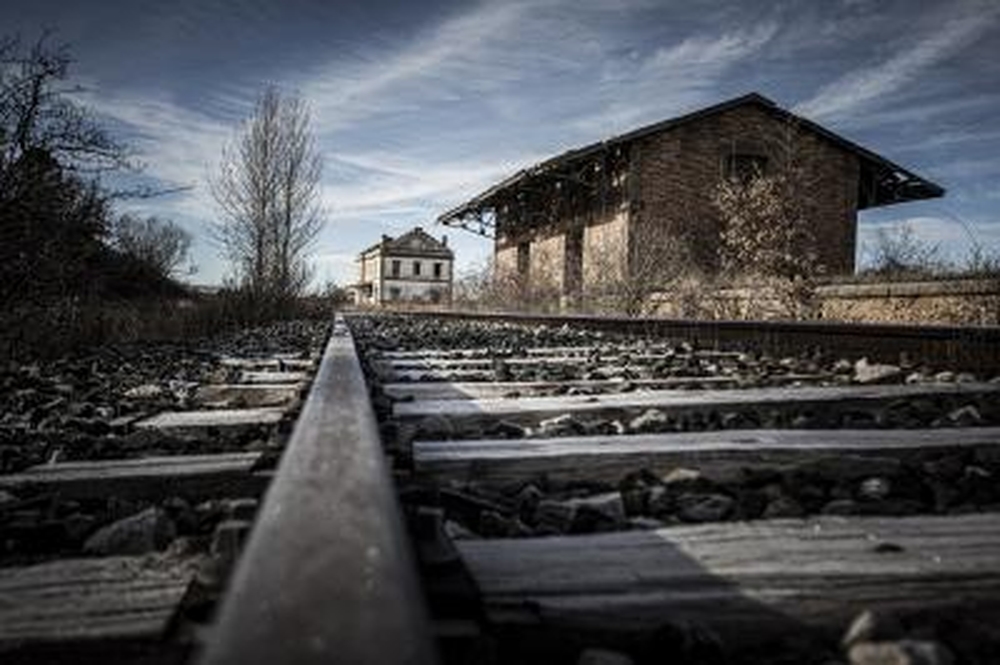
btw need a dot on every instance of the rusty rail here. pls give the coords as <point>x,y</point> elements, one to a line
<point>959,348</point>
<point>327,575</point>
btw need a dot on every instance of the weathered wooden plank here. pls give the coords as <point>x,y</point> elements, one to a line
<point>254,395</point>
<point>424,375</point>
<point>487,363</point>
<point>750,582</point>
<point>89,600</point>
<point>273,377</point>
<point>610,457</point>
<point>212,418</point>
<point>273,363</point>
<point>437,390</point>
<point>195,476</point>
<point>606,350</point>
<point>532,408</point>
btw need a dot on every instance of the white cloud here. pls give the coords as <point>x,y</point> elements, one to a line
<point>436,65</point>
<point>179,145</point>
<point>923,113</point>
<point>673,78</point>
<point>861,87</point>
<point>398,182</point>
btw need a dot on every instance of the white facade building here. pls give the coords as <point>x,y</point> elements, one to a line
<point>413,269</point>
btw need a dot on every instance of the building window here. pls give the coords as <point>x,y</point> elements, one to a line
<point>523,258</point>
<point>416,268</point>
<point>744,167</point>
<point>395,268</point>
<point>437,271</point>
<point>394,293</point>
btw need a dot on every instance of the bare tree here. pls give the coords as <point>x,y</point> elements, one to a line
<point>38,113</point>
<point>898,253</point>
<point>53,214</point>
<point>157,243</point>
<point>767,247</point>
<point>267,189</point>
<point>658,263</point>
<point>766,225</point>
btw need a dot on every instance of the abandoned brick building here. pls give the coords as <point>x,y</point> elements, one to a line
<point>413,269</point>
<point>571,221</point>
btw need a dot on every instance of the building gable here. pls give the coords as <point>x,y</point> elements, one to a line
<point>416,243</point>
<point>880,182</point>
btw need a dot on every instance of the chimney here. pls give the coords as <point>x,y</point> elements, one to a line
<point>444,240</point>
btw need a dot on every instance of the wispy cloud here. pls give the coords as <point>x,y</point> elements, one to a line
<point>401,183</point>
<point>179,144</point>
<point>415,117</point>
<point>672,78</point>
<point>436,65</point>
<point>861,87</point>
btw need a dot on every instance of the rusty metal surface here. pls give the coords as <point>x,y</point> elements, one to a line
<point>957,348</point>
<point>327,575</point>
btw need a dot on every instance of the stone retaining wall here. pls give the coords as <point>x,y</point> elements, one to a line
<point>975,302</point>
<point>954,302</point>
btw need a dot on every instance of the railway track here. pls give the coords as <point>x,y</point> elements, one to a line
<point>131,477</point>
<point>571,490</point>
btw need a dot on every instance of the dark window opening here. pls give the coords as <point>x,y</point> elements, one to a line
<point>394,293</point>
<point>523,258</point>
<point>437,271</point>
<point>744,167</point>
<point>395,268</point>
<point>416,268</point>
<point>573,278</point>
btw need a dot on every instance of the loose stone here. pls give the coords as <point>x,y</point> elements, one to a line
<point>603,657</point>
<point>903,652</point>
<point>868,373</point>
<point>704,507</point>
<point>651,420</point>
<point>141,533</point>
<point>872,626</point>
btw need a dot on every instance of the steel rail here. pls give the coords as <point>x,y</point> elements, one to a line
<point>958,348</point>
<point>327,575</point>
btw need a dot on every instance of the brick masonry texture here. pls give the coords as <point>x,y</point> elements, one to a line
<point>671,178</point>
<point>677,170</point>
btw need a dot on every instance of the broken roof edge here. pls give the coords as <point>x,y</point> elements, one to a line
<point>451,216</point>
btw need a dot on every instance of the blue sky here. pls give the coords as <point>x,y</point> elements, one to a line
<point>418,106</point>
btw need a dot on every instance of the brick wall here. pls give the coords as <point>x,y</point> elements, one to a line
<point>668,209</point>
<point>675,172</point>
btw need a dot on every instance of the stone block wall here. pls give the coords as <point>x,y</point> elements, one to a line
<point>548,265</point>
<point>505,264</point>
<point>957,302</point>
<point>605,250</point>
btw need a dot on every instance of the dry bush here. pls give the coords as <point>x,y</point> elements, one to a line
<point>483,287</point>
<point>71,324</point>
<point>659,263</point>
<point>898,254</point>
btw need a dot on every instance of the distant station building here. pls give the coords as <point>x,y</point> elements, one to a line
<point>413,269</point>
<point>570,221</point>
